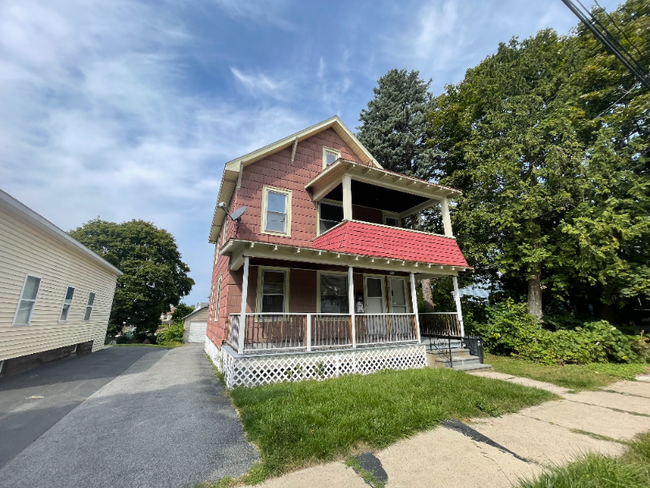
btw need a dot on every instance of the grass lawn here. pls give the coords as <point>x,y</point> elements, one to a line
<point>632,470</point>
<point>573,376</point>
<point>295,424</point>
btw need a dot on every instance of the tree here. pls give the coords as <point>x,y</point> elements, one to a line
<point>548,140</point>
<point>154,275</point>
<point>182,310</point>
<point>394,130</point>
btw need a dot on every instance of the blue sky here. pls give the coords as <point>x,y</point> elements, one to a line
<point>128,109</point>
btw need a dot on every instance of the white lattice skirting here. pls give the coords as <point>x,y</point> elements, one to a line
<point>261,370</point>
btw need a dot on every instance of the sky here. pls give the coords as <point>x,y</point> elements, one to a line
<point>125,109</point>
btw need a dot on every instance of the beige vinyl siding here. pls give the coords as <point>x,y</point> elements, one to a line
<point>24,249</point>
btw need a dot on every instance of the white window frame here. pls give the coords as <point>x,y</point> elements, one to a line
<point>64,304</point>
<point>334,203</point>
<point>382,279</point>
<point>391,215</point>
<point>318,276</point>
<point>260,282</point>
<point>265,200</point>
<point>20,299</point>
<point>330,150</point>
<point>215,312</point>
<point>91,306</point>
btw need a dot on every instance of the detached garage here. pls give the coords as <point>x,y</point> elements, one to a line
<point>55,294</point>
<point>195,325</point>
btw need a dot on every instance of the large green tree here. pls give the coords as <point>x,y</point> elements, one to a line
<point>548,140</point>
<point>154,277</point>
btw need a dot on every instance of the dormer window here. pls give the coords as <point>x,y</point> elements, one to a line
<point>330,155</point>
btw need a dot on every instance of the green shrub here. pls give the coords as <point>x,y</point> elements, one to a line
<point>511,330</point>
<point>172,334</point>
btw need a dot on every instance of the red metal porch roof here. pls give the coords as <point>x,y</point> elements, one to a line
<point>391,243</point>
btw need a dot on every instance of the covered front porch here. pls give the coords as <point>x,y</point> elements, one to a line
<point>290,307</point>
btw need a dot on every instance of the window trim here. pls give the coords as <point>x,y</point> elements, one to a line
<point>63,304</point>
<point>20,299</point>
<point>386,214</point>
<point>215,307</point>
<point>384,298</point>
<point>91,306</point>
<point>260,274</point>
<point>407,293</point>
<point>326,202</point>
<point>319,273</point>
<point>265,200</point>
<point>332,150</point>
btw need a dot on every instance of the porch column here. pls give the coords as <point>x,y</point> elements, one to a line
<point>242,314</point>
<point>446,219</point>
<point>347,197</point>
<point>414,305</point>
<point>351,305</point>
<point>458,309</point>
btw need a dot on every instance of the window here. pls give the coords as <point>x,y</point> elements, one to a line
<point>27,300</point>
<point>391,219</point>
<point>89,306</point>
<point>334,293</point>
<point>276,211</point>
<point>216,303</point>
<point>273,291</point>
<point>67,302</point>
<point>331,214</point>
<point>330,155</point>
<point>212,299</point>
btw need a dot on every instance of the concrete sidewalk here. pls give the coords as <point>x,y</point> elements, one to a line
<point>497,452</point>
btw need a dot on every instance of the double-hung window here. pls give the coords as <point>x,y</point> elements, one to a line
<point>273,292</point>
<point>330,155</point>
<point>89,306</point>
<point>334,293</point>
<point>276,211</point>
<point>67,303</point>
<point>216,303</point>
<point>330,215</point>
<point>27,300</point>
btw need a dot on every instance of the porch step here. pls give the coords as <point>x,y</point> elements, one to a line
<point>462,360</point>
<point>472,367</point>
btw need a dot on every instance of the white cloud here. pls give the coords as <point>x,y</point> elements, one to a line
<point>259,85</point>
<point>262,12</point>
<point>93,121</point>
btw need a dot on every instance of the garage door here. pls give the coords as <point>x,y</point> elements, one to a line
<point>197,331</point>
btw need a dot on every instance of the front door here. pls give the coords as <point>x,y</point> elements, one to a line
<point>375,295</point>
<point>398,302</point>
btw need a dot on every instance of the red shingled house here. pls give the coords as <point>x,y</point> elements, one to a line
<point>317,277</point>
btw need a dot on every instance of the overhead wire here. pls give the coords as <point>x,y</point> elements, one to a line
<point>618,28</point>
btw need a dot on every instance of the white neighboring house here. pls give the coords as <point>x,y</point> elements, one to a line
<point>55,293</point>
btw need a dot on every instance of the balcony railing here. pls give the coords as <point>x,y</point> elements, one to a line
<point>273,332</point>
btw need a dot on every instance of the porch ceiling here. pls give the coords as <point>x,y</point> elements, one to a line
<point>238,249</point>
<point>329,179</point>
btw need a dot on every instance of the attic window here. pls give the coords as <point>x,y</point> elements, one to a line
<point>330,155</point>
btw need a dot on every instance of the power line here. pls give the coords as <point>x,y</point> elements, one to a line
<point>618,28</point>
<point>610,43</point>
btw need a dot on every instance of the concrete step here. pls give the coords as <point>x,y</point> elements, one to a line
<point>459,361</point>
<point>454,352</point>
<point>472,367</point>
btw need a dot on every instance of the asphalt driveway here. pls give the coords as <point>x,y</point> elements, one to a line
<point>122,417</point>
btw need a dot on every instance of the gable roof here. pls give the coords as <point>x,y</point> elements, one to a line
<point>233,168</point>
<point>27,214</point>
<point>194,312</point>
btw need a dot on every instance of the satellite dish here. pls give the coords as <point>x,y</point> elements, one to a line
<point>238,213</point>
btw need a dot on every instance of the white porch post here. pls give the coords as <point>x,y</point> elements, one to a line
<point>351,305</point>
<point>242,314</point>
<point>458,309</point>
<point>347,197</point>
<point>446,219</point>
<point>414,305</point>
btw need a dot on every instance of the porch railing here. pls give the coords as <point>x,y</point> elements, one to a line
<point>440,324</point>
<point>273,332</point>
